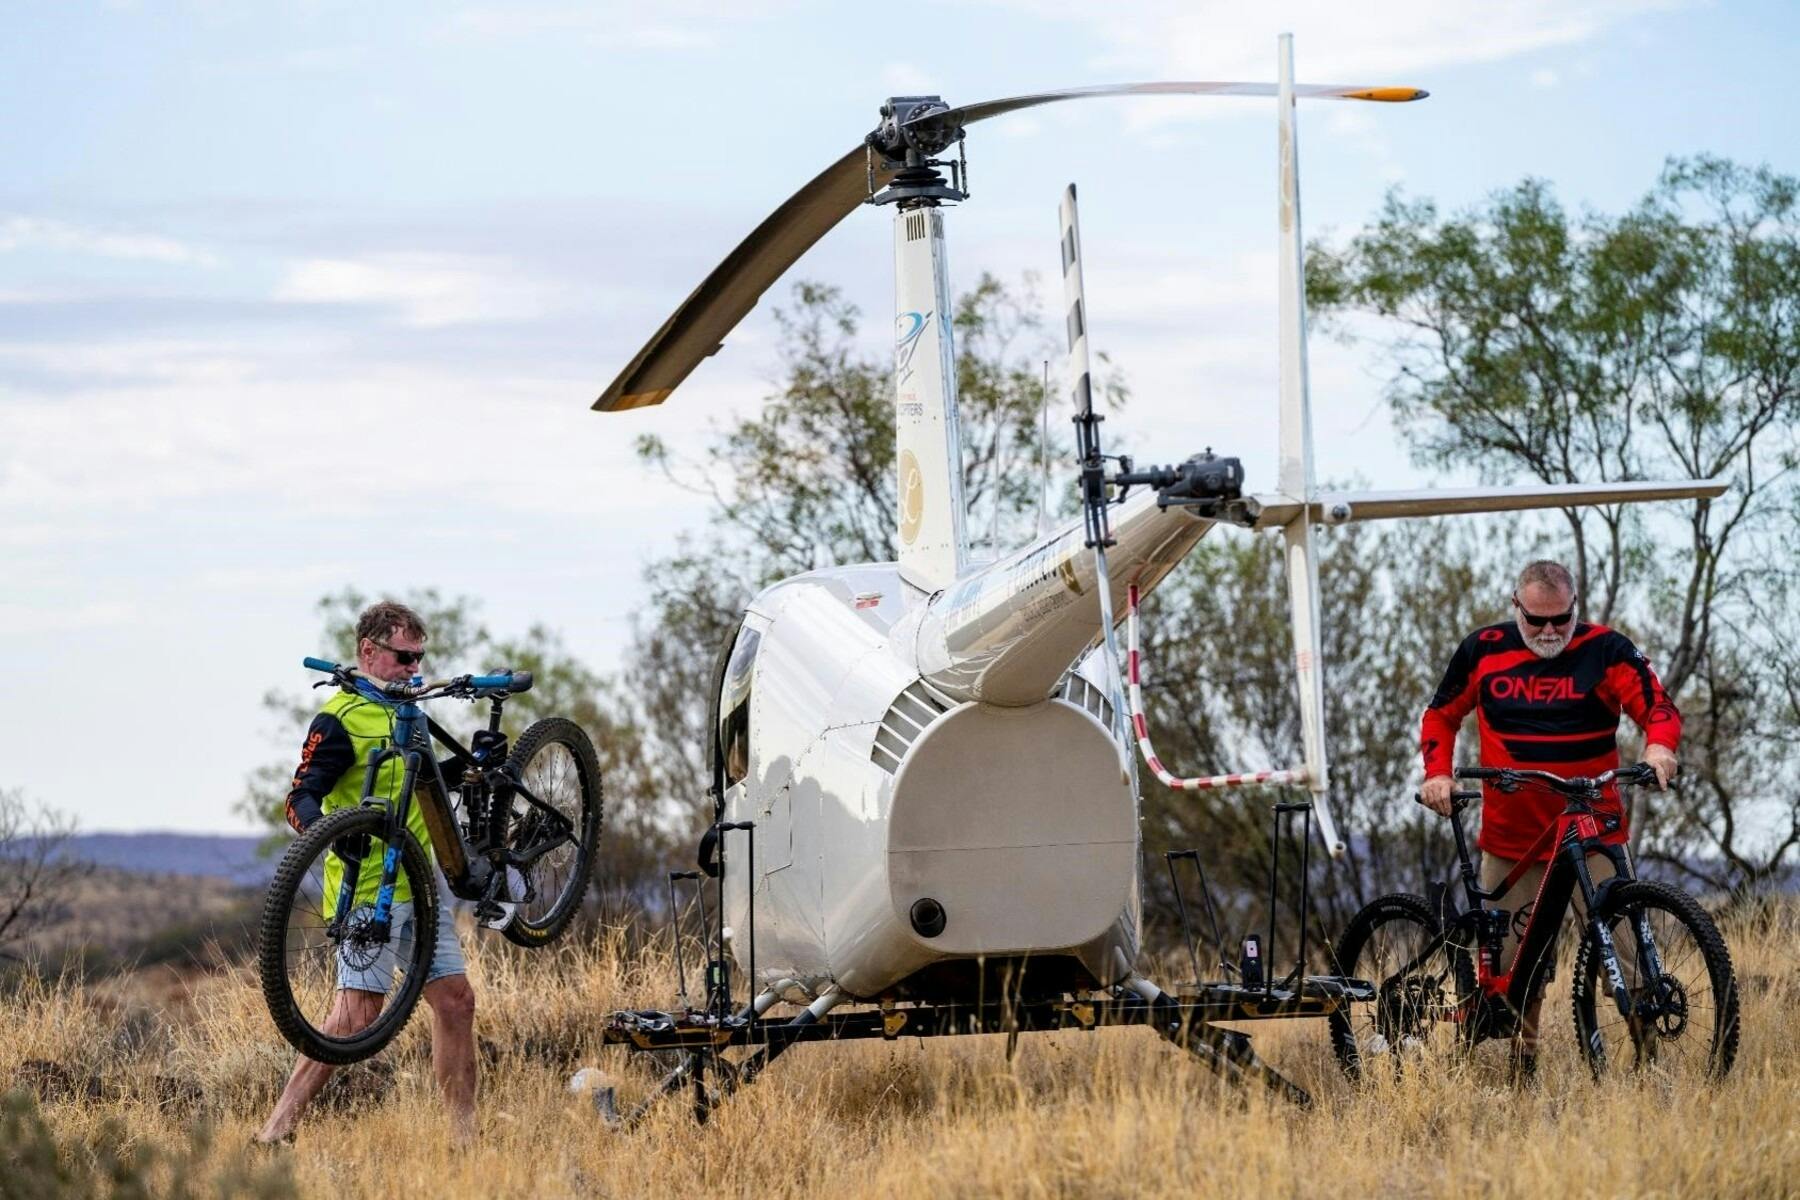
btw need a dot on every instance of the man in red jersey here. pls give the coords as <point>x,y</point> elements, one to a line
<point>1548,691</point>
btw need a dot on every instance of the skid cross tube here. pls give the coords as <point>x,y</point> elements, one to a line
<point>1187,1022</point>
<point>653,1030</point>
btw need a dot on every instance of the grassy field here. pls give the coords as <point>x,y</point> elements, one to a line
<point>181,1066</point>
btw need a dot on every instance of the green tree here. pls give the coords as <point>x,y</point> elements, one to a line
<point>1220,697</point>
<point>1663,343</point>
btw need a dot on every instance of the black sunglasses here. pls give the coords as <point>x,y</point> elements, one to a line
<point>405,658</point>
<point>1537,622</point>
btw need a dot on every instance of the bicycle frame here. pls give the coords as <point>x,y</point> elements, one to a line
<point>1576,833</point>
<point>414,733</point>
<point>1502,995</point>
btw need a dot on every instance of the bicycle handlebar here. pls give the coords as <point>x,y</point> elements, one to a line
<point>1508,779</point>
<point>508,682</point>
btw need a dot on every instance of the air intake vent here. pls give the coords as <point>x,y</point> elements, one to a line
<point>915,226</point>
<point>915,708</point>
<point>1079,691</point>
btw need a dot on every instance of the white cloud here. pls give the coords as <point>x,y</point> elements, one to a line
<point>1222,39</point>
<point>25,620</point>
<point>428,290</point>
<point>38,233</point>
<point>1544,77</point>
<point>905,78</point>
<point>674,25</point>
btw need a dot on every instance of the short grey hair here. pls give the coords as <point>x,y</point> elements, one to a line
<point>1548,572</point>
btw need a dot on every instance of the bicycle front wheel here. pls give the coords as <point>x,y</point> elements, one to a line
<point>1419,981</point>
<point>1684,1018</point>
<point>338,987</point>
<point>555,762</point>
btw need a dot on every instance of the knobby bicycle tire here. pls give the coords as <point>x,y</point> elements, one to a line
<point>1593,1001</point>
<point>538,923</point>
<point>1397,908</point>
<point>274,959</point>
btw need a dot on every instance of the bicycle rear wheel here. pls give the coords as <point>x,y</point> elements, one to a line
<point>556,763</point>
<point>1417,992</point>
<point>337,990</point>
<point>1685,1018</point>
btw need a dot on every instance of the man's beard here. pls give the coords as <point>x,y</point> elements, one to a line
<point>1547,644</point>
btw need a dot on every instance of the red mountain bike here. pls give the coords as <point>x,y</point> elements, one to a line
<point>1440,982</point>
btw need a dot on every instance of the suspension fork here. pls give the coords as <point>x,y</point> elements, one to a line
<point>1598,928</point>
<point>1650,965</point>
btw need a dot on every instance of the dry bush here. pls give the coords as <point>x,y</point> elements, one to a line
<point>1111,1113</point>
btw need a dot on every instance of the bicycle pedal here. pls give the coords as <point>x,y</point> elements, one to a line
<point>495,914</point>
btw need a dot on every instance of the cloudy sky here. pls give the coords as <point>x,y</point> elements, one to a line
<point>282,284</point>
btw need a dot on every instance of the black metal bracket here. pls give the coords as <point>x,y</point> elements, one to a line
<point>1170,858</point>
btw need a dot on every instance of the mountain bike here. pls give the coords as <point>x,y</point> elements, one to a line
<point>520,843</point>
<point>1440,982</point>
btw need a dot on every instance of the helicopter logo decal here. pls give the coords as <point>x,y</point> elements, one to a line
<point>907,328</point>
<point>912,497</point>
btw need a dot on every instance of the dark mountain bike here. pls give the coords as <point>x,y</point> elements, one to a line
<point>520,843</point>
<point>1440,982</point>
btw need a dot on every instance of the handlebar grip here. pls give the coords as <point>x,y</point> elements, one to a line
<point>512,681</point>
<point>1469,795</point>
<point>318,664</point>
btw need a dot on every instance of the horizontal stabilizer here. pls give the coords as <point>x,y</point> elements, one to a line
<point>1336,508</point>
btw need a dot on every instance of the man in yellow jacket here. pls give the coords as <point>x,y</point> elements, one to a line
<point>390,644</point>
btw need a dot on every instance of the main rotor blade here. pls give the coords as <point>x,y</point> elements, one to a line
<point>696,330</point>
<point>968,114</point>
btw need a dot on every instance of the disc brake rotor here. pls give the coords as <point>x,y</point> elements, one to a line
<point>357,945</point>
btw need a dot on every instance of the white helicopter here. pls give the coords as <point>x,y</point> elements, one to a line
<point>923,770</point>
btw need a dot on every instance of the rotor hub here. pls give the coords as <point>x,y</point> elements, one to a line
<point>914,125</point>
<point>913,130</point>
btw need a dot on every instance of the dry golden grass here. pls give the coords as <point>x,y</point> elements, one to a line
<point>1112,1113</point>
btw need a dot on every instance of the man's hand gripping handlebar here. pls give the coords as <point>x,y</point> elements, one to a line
<point>1440,795</point>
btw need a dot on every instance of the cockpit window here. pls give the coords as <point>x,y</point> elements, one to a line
<point>734,706</point>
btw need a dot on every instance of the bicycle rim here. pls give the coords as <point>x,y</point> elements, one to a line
<point>555,762</point>
<point>1411,1020</point>
<point>337,990</point>
<point>1684,1023</point>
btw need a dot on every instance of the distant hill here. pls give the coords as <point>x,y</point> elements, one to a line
<point>231,857</point>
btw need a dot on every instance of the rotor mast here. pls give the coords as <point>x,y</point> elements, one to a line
<point>927,438</point>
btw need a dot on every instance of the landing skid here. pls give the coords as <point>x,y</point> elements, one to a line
<point>1186,1020</point>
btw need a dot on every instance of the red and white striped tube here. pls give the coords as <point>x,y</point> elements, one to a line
<point>1141,727</point>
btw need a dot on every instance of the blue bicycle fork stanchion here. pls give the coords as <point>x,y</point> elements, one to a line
<point>408,720</point>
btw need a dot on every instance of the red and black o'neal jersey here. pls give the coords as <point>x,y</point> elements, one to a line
<point>1553,714</point>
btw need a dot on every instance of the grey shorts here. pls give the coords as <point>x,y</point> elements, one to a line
<point>446,957</point>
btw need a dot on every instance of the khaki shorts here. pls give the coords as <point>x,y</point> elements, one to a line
<point>1519,902</point>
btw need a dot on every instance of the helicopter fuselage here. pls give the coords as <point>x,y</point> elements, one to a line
<point>936,779</point>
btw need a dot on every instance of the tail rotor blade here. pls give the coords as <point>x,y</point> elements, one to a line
<point>1075,304</point>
